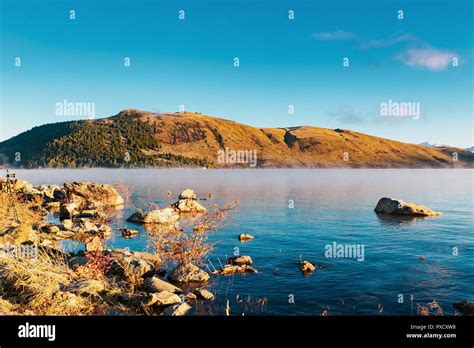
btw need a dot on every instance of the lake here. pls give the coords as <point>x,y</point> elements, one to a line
<point>297,214</point>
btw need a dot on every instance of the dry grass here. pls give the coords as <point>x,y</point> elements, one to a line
<point>38,284</point>
<point>190,242</point>
<point>24,210</point>
<point>47,286</point>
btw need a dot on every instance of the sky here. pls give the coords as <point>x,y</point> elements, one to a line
<point>425,58</point>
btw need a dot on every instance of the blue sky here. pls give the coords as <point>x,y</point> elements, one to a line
<point>282,62</point>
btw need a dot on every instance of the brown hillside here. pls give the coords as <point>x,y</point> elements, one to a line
<point>198,136</point>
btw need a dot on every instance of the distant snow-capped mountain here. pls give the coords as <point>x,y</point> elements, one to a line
<point>427,144</point>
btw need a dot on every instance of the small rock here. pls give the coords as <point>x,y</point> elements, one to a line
<point>245,237</point>
<point>68,210</point>
<point>189,206</point>
<point>187,203</point>
<point>150,258</point>
<point>92,214</point>
<point>233,269</point>
<point>157,216</point>
<point>53,206</point>
<point>307,267</point>
<point>165,298</point>
<point>48,191</point>
<point>85,226</point>
<point>181,309</point>
<point>202,228</point>
<point>204,294</point>
<point>129,232</point>
<point>188,273</point>
<point>93,244</point>
<point>240,260</point>
<point>67,224</point>
<point>59,195</point>
<point>155,284</point>
<point>49,229</point>
<point>130,267</point>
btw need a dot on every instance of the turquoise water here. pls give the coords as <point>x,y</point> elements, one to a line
<point>295,213</point>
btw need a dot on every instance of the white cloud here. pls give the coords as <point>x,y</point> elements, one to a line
<point>346,114</point>
<point>380,43</point>
<point>338,35</point>
<point>429,58</point>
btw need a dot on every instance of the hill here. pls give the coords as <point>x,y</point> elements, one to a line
<point>135,138</point>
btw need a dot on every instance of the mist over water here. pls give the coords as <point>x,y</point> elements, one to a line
<point>296,213</point>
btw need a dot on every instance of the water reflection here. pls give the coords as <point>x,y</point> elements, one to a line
<point>397,221</point>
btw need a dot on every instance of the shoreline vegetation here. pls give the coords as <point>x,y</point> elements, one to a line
<point>167,279</point>
<point>140,139</point>
<point>47,280</point>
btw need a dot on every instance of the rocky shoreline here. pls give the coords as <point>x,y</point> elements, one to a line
<point>98,279</point>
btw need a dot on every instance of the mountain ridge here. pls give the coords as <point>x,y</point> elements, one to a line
<point>136,138</point>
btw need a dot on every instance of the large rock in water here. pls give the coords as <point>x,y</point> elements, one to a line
<point>188,273</point>
<point>398,207</point>
<point>188,203</point>
<point>157,216</point>
<point>85,191</point>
